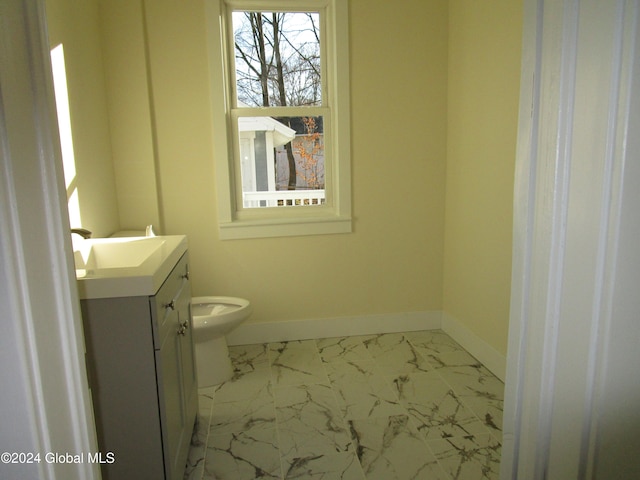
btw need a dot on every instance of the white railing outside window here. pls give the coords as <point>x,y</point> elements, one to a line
<point>283,198</point>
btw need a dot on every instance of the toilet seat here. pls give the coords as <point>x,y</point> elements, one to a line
<point>219,313</point>
<point>215,306</point>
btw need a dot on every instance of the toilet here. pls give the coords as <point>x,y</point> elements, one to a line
<point>213,319</point>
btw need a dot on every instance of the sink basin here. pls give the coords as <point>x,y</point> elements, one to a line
<point>116,253</point>
<point>124,267</point>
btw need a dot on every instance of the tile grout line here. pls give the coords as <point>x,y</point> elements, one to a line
<point>345,422</point>
<point>272,390</point>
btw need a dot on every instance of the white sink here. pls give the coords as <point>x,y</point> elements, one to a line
<point>115,253</point>
<point>125,267</point>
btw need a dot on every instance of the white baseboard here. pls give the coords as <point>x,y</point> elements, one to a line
<point>265,332</point>
<point>250,333</point>
<point>485,353</point>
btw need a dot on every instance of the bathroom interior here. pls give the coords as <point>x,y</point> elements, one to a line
<point>434,104</point>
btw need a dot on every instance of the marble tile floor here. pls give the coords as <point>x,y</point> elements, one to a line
<point>399,406</point>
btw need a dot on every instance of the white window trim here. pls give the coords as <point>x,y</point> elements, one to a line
<point>335,216</point>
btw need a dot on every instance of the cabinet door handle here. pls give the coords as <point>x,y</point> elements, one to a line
<point>184,326</point>
<point>171,305</point>
<point>186,275</point>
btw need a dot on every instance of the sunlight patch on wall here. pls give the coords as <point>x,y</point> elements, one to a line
<point>66,135</point>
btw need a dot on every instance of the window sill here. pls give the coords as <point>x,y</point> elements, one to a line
<point>284,227</point>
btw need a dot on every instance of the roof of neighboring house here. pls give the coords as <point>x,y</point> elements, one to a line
<point>281,133</point>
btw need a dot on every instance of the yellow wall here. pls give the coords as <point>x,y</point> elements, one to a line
<point>130,114</point>
<point>393,260</point>
<point>484,72</point>
<point>75,24</point>
<point>434,92</point>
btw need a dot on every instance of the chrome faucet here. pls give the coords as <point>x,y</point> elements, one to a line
<point>83,232</point>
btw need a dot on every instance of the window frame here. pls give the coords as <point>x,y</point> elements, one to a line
<point>334,216</point>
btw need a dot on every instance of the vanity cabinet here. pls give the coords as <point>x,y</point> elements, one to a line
<point>141,365</point>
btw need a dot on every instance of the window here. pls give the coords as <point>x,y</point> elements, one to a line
<point>280,102</point>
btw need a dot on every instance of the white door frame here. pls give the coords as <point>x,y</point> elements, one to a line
<point>45,405</point>
<point>573,362</point>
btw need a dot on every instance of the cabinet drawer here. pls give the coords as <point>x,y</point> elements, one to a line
<point>165,303</point>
